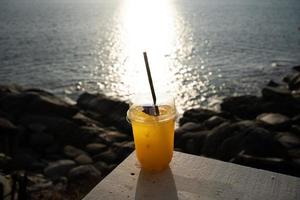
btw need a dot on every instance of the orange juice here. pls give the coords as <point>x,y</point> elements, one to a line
<point>153,136</point>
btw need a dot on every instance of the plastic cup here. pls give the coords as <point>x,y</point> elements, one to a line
<point>153,135</point>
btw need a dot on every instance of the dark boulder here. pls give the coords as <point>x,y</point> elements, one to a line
<point>108,156</point>
<point>108,111</point>
<point>59,168</point>
<point>36,102</point>
<point>245,107</point>
<point>215,138</point>
<point>276,93</point>
<point>196,115</point>
<point>84,172</point>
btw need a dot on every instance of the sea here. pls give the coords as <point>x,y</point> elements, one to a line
<point>199,51</point>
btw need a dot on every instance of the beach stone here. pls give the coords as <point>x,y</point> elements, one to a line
<point>214,121</point>
<point>110,111</point>
<point>276,94</point>
<point>94,148</point>
<point>45,103</point>
<point>83,172</point>
<point>8,89</point>
<point>295,129</point>
<point>108,156</point>
<point>101,166</point>
<point>187,127</point>
<point>273,119</point>
<point>260,142</point>
<point>294,83</point>
<point>294,153</point>
<point>196,115</point>
<point>288,140</point>
<point>59,168</point>
<point>272,83</point>
<point>92,130</point>
<point>23,160</point>
<point>57,125</point>
<point>297,68</point>
<point>7,126</point>
<point>83,159</point>
<point>199,135</point>
<point>83,120</point>
<point>72,151</point>
<point>123,149</point>
<point>215,138</point>
<point>114,136</point>
<point>296,119</point>
<point>41,139</point>
<point>245,107</point>
<point>37,128</point>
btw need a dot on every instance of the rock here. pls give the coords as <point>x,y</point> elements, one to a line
<point>272,83</point>
<point>83,120</point>
<point>83,172</point>
<point>123,149</point>
<point>288,140</point>
<point>101,166</point>
<point>272,93</point>
<point>227,140</point>
<point>273,119</point>
<point>297,68</point>
<point>59,168</point>
<point>295,129</point>
<point>195,135</point>
<point>295,167</point>
<point>10,89</point>
<point>52,149</point>
<point>245,107</point>
<point>214,121</point>
<point>58,125</point>
<point>215,139</point>
<point>294,83</point>
<point>110,111</point>
<point>294,153</point>
<point>24,160</point>
<point>114,136</point>
<point>37,128</point>
<point>7,127</point>
<point>72,152</point>
<point>108,156</point>
<point>187,127</point>
<point>41,139</point>
<point>83,159</point>
<point>92,130</point>
<point>196,115</point>
<point>94,148</point>
<point>296,120</point>
<point>36,102</point>
<point>192,147</point>
<point>46,103</point>
<point>260,142</point>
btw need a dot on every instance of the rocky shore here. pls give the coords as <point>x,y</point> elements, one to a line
<point>51,146</point>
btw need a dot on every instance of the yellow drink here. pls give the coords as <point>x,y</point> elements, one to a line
<point>153,136</point>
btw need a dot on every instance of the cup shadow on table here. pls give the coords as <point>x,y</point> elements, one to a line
<point>158,186</point>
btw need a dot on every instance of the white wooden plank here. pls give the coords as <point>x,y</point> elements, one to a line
<point>195,177</point>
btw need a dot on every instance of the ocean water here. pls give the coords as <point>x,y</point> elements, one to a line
<point>200,50</point>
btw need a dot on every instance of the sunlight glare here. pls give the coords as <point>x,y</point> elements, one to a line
<point>148,26</point>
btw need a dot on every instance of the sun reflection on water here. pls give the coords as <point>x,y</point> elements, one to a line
<point>147,25</point>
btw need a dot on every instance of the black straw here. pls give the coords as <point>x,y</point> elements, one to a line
<point>151,83</point>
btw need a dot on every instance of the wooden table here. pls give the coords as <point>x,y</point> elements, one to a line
<point>195,177</point>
